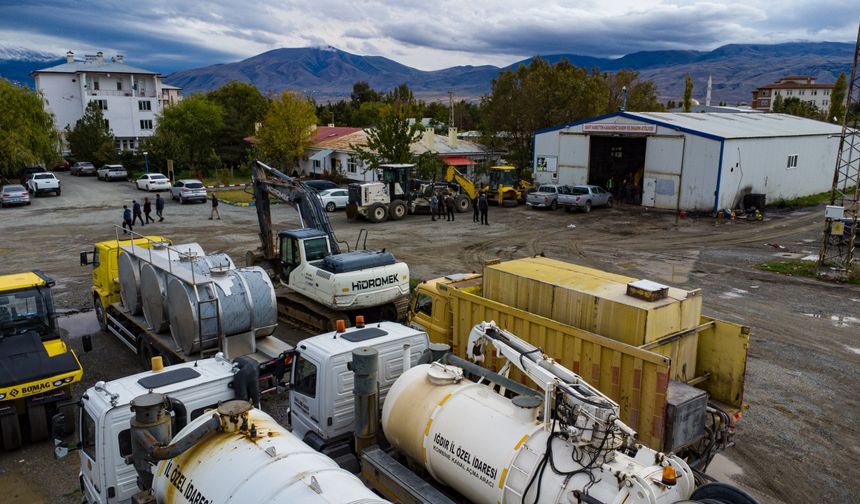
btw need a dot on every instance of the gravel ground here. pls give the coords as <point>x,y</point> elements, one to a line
<point>799,441</point>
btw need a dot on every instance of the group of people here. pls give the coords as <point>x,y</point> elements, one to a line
<point>446,203</point>
<point>137,212</point>
<point>629,191</point>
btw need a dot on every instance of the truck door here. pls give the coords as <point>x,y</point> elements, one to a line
<point>91,470</point>
<point>305,396</point>
<point>428,313</point>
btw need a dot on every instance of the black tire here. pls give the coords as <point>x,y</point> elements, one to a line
<point>181,200</point>
<point>330,206</point>
<point>587,207</point>
<point>100,313</point>
<point>609,203</point>
<point>377,213</point>
<point>10,429</point>
<point>721,493</point>
<point>397,210</point>
<point>462,203</point>
<point>38,419</point>
<point>553,205</point>
<point>352,211</point>
<point>58,192</point>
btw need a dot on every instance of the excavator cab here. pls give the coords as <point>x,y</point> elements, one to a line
<point>298,246</point>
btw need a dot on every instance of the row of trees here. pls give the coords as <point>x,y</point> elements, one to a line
<point>27,134</point>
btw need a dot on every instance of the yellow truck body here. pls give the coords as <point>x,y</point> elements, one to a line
<point>709,355</point>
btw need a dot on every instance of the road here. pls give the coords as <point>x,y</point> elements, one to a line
<point>798,442</point>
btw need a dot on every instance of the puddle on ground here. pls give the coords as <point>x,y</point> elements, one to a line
<point>78,324</point>
<point>836,320</point>
<point>734,293</point>
<point>723,469</point>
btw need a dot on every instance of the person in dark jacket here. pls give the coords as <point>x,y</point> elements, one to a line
<point>475,209</point>
<point>159,207</point>
<point>441,208</point>
<point>147,209</point>
<point>126,220</point>
<point>434,206</point>
<point>214,207</point>
<point>449,205</point>
<point>135,213</point>
<point>484,206</point>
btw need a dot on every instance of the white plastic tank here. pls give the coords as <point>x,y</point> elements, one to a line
<point>490,450</point>
<point>273,467</point>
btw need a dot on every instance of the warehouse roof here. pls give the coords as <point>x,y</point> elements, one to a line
<point>722,126</point>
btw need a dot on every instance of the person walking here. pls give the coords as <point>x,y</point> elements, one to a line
<point>434,206</point>
<point>147,209</point>
<point>484,207</point>
<point>126,220</point>
<point>449,205</point>
<point>136,215</point>
<point>475,209</point>
<point>214,208</point>
<point>159,207</point>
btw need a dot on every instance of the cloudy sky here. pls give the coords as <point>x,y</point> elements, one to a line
<point>168,35</point>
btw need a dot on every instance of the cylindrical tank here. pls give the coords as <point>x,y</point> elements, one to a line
<point>494,455</point>
<point>264,463</point>
<point>129,264</point>
<point>129,282</point>
<point>246,303</point>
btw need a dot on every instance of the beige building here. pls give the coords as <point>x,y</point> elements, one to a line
<point>170,95</point>
<point>803,87</point>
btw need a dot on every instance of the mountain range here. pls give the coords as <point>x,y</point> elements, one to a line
<point>327,73</point>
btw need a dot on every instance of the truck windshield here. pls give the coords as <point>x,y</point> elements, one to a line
<point>26,309</point>
<point>305,377</point>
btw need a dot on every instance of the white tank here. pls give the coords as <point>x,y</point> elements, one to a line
<point>489,449</point>
<point>274,467</point>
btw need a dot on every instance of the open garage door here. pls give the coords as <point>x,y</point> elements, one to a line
<point>661,183</point>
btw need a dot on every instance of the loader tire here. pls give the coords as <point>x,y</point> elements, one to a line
<point>462,203</point>
<point>397,210</point>
<point>351,211</point>
<point>10,430</point>
<point>37,416</point>
<point>377,213</point>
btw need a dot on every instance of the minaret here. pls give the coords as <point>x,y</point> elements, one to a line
<point>708,96</point>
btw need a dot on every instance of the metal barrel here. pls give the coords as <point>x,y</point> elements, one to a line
<point>129,282</point>
<point>365,365</point>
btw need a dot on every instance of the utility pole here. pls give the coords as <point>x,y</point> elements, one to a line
<point>450,109</point>
<point>840,228</point>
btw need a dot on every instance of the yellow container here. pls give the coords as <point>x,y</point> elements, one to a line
<point>593,300</point>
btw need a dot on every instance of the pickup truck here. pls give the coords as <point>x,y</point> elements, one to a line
<point>583,197</point>
<point>43,182</point>
<point>546,196</point>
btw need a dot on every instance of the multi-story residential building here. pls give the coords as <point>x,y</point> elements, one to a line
<point>130,98</point>
<point>803,87</point>
<point>170,95</point>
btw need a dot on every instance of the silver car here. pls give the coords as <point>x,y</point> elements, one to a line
<point>583,197</point>
<point>82,168</point>
<point>14,194</point>
<point>333,199</point>
<point>111,172</point>
<point>188,190</point>
<point>546,196</point>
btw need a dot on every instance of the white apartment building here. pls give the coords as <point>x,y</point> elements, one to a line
<point>802,87</point>
<point>130,98</point>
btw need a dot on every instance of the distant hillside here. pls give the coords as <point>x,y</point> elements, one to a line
<point>16,63</point>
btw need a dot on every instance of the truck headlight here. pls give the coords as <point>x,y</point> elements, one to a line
<point>58,383</point>
<point>2,396</point>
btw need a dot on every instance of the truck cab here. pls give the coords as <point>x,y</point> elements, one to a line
<point>361,279</point>
<point>430,309</point>
<point>102,434</point>
<point>321,399</point>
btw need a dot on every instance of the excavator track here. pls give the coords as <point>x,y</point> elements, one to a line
<point>297,310</point>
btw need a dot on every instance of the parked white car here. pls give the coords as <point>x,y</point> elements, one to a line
<point>111,172</point>
<point>153,182</point>
<point>188,190</point>
<point>333,199</point>
<point>44,182</point>
<point>546,196</point>
<point>14,194</point>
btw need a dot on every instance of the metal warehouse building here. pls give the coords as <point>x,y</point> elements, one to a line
<point>702,161</point>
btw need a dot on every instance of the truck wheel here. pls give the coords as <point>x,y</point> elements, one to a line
<point>553,205</point>
<point>100,313</point>
<point>397,210</point>
<point>377,213</point>
<point>462,203</point>
<point>721,493</point>
<point>351,211</point>
<point>38,418</point>
<point>11,432</point>
<point>587,207</point>
<point>609,203</point>
<point>58,192</point>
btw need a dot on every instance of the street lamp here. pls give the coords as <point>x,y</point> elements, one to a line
<point>146,160</point>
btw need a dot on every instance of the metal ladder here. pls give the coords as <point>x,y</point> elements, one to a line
<point>201,323</point>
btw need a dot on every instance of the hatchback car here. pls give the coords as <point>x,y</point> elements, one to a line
<point>153,182</point>
<point>14,194</point>
<point>111,172</point>
<point>188,190</point>
<point>320,184</point>
<point>333,199</point>
<point>83,168</point>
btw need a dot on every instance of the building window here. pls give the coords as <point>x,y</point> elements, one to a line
<point>95,84</point>
<point>144,105</point>
<point>119,85</point>
<point>792,162</point>
<point>814,92</point>
<point>317,165</point>
<point>146,124</point>
<point>765,103</point>
<point>764,93</point>
<point>351,165</point>
<point>802,92</point>
<point>107,124</point>
<point>102,104</point>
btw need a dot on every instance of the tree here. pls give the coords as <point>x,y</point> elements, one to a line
<point>28,134</point>
<point>688,93</point>
<point>187,133</point>
<point>286,130</point>
<point>837,101</point>
<point>363,93</point>
<point>641,95</point>
<point>91,138</point>
<point>778,104</point>
<point>243,107</point>
<point>797,107</point>
<point>391,140</point>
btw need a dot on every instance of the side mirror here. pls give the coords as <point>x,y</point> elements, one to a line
<point>63,430</point>
<point>87,341</point>
<point>84,261</point>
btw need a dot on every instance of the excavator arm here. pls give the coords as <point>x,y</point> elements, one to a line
<point>454,175</point>
<point>269,182</point>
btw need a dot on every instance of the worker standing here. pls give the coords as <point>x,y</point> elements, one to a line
<point>159,207</point>
<point>434,206</point>
<point>475,209</point>
<point>484,206</point>
<point>449,205</point>
<point>214,211</point>
<point>147,209</point>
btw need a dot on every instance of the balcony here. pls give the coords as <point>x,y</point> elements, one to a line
<point>128,92</point>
